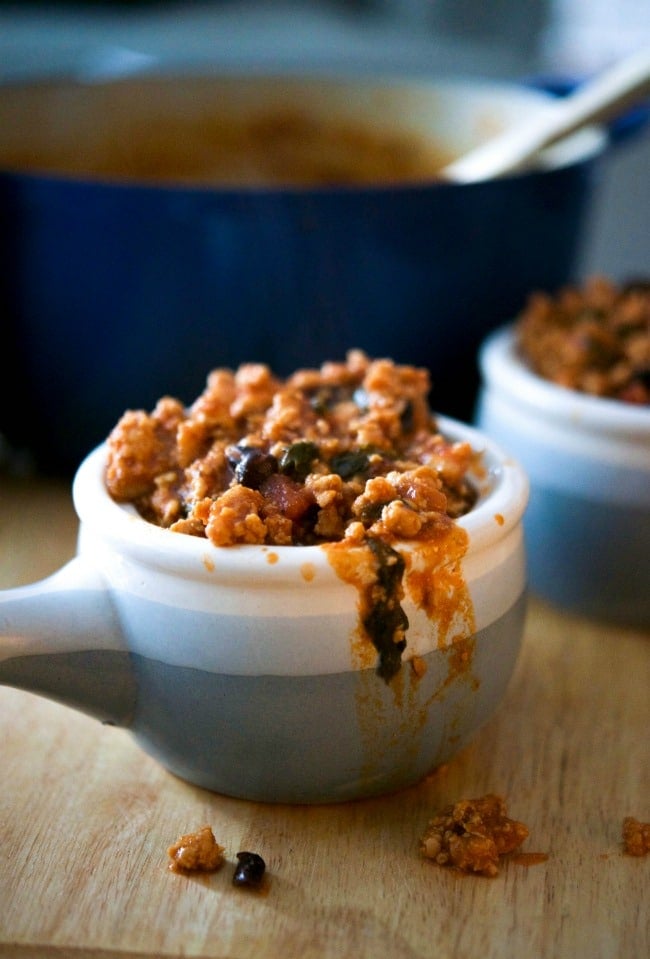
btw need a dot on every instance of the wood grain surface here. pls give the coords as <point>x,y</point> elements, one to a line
<point>86,818</point>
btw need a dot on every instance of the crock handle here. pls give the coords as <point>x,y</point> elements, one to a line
<point>61,638</point>
<point>630,124</point>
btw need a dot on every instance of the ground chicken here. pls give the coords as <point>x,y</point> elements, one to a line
<point>259,460</point>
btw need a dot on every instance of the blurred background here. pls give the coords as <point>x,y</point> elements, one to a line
<point>508,39</point>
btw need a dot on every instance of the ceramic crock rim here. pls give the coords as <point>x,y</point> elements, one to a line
<point>499,511</point>
<point>506,373</point>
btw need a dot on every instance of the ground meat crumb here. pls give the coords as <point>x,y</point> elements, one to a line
<point>594,339</point>
<point>472,834</point>
<point>196,852</point>
<point>636,837</point>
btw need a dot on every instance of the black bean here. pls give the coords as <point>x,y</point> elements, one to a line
<point>249,870</point>
<point>251,465</point>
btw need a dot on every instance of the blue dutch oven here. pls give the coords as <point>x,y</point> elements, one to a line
<point>115,292</point>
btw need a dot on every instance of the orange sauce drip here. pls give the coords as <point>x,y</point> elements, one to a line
<point>433,581</point>
<point>353,563</point>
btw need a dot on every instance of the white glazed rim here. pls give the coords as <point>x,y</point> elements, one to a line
<point>506,373</point>
<point>503,498</point>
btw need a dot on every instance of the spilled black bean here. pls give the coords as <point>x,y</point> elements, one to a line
<point>249,870</point>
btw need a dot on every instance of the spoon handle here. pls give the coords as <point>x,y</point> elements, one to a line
<point>597,100</point>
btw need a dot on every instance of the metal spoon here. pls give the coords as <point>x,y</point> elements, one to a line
<point>598,99</point>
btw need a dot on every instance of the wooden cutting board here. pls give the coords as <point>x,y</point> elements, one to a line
<point>86,819</point>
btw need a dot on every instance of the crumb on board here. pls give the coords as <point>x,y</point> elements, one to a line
<point>636,837</point>
<point>196,852</point>
<point>472,834</point>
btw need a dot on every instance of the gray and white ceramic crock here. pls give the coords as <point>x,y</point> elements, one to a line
<point>236,667</point>
<point>588,460</point>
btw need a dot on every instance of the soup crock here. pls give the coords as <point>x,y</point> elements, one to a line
<point>240,668</point>
<point>114,292</point>
<point>588,461</point>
